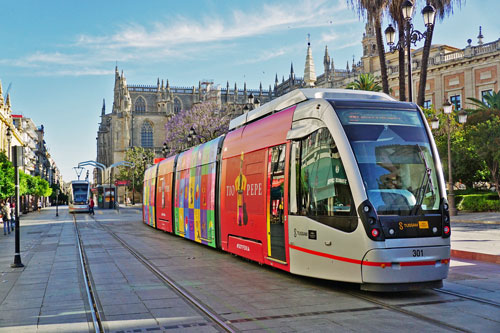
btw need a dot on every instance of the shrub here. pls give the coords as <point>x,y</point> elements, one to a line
<point>479,203</point>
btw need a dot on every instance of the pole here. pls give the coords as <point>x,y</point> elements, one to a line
<point>17,255</point>
<point>451,194</point>
<point>57,202</point>
<point>133,187</point>
<point>408,50</point>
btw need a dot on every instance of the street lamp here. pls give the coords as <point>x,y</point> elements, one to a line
<point>412,36</point>
<point>9,139</point>
<point>165,150</point>
<point>462,119</point>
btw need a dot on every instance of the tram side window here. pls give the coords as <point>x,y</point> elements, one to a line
<point>322,189</point>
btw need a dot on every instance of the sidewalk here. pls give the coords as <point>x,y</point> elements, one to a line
<point>476,236</point>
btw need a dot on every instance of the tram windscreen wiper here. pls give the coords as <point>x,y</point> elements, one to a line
<point>426,180</point>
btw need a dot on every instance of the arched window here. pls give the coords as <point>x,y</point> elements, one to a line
<point>147,135</point>
<point>140,104</point>
<point>177,106</point>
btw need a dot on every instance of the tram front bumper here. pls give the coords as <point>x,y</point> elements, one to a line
<point>406,265</point>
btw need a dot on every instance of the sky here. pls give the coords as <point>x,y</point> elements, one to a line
<point>59,56</point>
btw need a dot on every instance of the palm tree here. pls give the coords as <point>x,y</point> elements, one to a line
<point>490,101</point>
<point>396,14</point>
<point>443,8</point>
<point>374,11</point>
<point>484,109</point>
<point>365,82</point>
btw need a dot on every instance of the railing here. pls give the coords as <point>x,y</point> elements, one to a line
<point>452,56</point>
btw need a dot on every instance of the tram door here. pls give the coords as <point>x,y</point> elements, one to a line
<point>276,202</point>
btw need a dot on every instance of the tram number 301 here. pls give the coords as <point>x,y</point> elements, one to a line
<point>418,253</point>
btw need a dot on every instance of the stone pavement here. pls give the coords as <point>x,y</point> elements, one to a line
<point>45,295</point>
<point>476,236</point>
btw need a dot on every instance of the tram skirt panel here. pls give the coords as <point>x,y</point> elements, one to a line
<point>320,251</point>
<point>406,265</point>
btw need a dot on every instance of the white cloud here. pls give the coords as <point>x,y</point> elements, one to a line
<point>186,38</point>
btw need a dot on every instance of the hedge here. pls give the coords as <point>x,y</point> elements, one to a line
<point>479,203</point>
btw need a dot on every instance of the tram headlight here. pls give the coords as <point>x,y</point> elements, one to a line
<point>446,218</point>
<point>434,229</point>
<point>445,206</point>
<point>366,208</point>
<point>391,232</point>
<point>372,220</point>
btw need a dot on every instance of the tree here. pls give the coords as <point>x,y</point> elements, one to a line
<point>364,82</point>
<point>443,8</point>
<point>490,101</point>
<point>140,157</point>
<point>374,11</point>
<point>6,177</point>
<point>207,119</point>
<point>485,139</point>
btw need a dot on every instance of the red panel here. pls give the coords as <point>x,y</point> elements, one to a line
<point>243,207</point>
<point>267,132</point>
<point>164,189</point>
<point>245,248</point>
<point>243,182</point>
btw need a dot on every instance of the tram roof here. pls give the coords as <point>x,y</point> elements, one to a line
<point>299,95</point>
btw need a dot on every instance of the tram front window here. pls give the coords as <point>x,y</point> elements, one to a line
<point>395,159</point>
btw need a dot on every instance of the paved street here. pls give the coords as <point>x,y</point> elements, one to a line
<point>47,295</point>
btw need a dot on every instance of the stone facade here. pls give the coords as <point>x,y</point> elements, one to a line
<point>140,112</point>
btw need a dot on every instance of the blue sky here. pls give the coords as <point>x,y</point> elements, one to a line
<point>60,55</point>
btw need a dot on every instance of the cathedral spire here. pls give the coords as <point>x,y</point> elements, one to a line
<point>1,94</point>
<point>7,102</point>
<point>309,72</point>
<point>326,60</point>
<point>103,111</point>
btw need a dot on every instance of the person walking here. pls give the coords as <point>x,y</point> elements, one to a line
<point>6,217</point>
<point>91,206</point>
<point>12,214</point>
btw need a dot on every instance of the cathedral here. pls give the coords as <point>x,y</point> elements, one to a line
<point>140,112</point>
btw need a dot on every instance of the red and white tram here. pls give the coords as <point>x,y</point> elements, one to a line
<point>335,184</point>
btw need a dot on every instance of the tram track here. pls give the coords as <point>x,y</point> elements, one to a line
<point>376,303</point>
<point>211,315</point>
<point>91,297</point>
<point>413,314</point>
<point>468,297</point>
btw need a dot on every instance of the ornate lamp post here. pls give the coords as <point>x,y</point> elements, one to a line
<point>9,140</point>
<point>165,150</point>
<point>412,36</point>
<point>462,119</point>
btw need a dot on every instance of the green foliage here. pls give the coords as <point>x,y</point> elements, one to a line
<point>365,82</point>
<point>135,175</point>
<point>484,138</point>
<point>6,177</point>
<point>479,203</point>
<point>491,102</point>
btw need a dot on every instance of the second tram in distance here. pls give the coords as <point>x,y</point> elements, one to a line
<point>334,184</point>
<point>79,196</point>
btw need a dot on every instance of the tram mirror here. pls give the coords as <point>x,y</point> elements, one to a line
<point>304,127</point>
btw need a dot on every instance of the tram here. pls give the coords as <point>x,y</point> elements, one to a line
<point>335,184</point>
<point>79,196</point>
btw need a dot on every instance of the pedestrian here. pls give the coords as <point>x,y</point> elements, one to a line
<point>39,205</point>
<point>6,217</point>
<point>13,214</point>
<point>91,206</point>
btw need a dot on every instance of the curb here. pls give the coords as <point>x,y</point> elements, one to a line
<point>490,258</point>
<point>474,221</point>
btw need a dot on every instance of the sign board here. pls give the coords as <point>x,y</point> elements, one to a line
<point>122,182</point>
